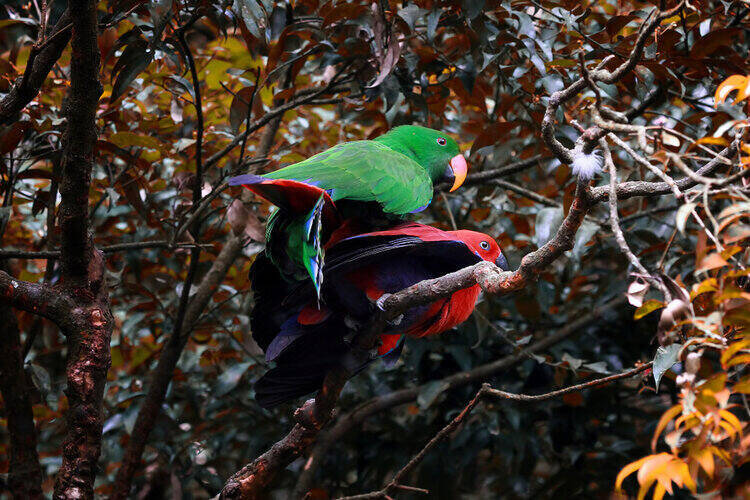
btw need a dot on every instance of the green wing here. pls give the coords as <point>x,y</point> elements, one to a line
<point>365,171</point>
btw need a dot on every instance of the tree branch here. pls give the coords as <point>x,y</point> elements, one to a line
<point>25,473</point>
<point>251,480</point>
<point>35,298</point>
<point>632,189</point>
<point>88,323</point>
<point>40,62</point>
<point>486,392</point>
<point>379,404</point>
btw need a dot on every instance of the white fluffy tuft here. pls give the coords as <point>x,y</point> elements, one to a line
<point>587,166</point>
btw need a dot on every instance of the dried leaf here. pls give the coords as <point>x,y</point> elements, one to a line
<point>636,292</point>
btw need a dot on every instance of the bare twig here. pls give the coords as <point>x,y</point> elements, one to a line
<point>615,223</point>
<point>486,392</point>
<point>252,479</point>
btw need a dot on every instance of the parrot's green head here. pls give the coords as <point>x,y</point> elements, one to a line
<point>437,152</point>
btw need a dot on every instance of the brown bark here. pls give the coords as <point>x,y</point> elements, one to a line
<point>25,474</point>
<point>88,325</point>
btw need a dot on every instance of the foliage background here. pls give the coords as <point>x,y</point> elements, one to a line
<point>481,70</point>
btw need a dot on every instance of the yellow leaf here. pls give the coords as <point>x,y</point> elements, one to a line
<point>734,82</point>
<point>742,386</point>
<point>733,348</point>
<point>732,419</point>
<point>659,492</point>
<point>682,475</point>
<point>663,421</point>
<point>738,360</point>
<point>728,428</point>
<point>649,306</point>
<point>706,460</point>
<point>628,470</point>
<point>719,141</point>
<point>708,285</point>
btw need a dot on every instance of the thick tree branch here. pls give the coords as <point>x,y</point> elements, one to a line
<point>41,60</point>
<point>35,298</point>
<point>251,480</point>
<point>117,247</point>
<point>88,324</point>
<point>25,474</point>
<point>352,419</point>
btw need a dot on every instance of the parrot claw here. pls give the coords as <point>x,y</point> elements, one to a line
<point>396,321</point>
<point>381,301</point>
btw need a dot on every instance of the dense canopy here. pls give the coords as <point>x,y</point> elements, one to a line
<point>127,358</point>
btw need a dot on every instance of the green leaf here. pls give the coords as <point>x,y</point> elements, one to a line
<point>583,236</point>
<point>127,139</point>
<point>430,393</point>
<point>135,58</point>
<point>665,358</point>
<point>229,379</point>
<point>548,220</point>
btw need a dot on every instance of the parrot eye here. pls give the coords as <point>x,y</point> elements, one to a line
<point>441,141</point>
<point>484,245</point>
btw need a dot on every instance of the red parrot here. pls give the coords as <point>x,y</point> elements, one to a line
<point>306,338</point>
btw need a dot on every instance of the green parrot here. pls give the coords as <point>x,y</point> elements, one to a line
<point>352,187</point>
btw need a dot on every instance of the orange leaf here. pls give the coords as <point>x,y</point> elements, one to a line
<point>712,261</point>
<point>732,419</point>
<point>659,492</point>
<point>733,348</point>
<point>738,360</point>
<point>734,82</point>
<point>706,460</point>
<point>628,470</point>
<point>663,421</point>
<point>654,464</point>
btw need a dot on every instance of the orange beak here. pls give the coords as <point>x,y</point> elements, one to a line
<point>459,168</point>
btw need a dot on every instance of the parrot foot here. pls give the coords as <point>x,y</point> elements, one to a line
<point>396,321</point>
<point>380,303</point>
<point>305,415</point>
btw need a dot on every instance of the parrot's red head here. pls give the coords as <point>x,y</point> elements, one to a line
<point>484,246</point>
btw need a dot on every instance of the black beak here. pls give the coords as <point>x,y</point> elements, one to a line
<point>448,176</point>
<point>502,263</point>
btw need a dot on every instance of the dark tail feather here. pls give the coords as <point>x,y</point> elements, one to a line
<point>302,366</point>
<point>285,383</point>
